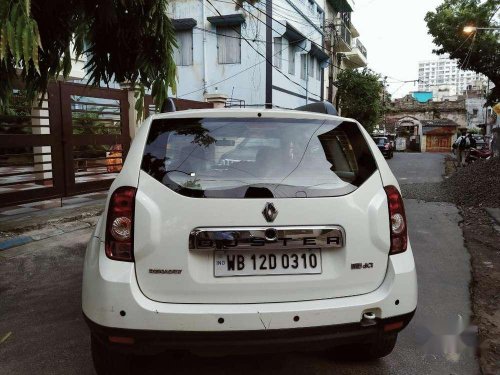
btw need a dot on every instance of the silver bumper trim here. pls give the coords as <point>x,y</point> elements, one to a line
<point>269,238</point>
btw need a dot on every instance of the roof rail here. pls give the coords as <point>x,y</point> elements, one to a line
<point>319,107</point>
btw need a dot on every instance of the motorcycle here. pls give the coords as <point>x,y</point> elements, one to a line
<point>476,154</point>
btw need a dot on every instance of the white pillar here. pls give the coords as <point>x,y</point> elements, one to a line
<point>41,126</point>
<point>218,100</point>
<point>133,124</point>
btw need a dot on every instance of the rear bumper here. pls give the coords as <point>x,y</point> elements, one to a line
<point>385,152</point>
<point>112,298</point>
<point>246,342</point>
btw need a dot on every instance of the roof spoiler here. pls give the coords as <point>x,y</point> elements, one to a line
<point>319,107</point>
<point>168,106</point>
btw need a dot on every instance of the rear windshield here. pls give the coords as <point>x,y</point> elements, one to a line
<point>257,158</point>
<point>381,141</point>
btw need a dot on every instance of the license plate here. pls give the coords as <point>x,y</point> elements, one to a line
<point>276,262</point>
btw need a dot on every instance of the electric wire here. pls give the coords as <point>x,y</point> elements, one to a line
<point>460,46</point>
<point>258,52</point>
<point>265,41</point>
<point>234,75</point>
<point>467,57</point>
<point>313,42</point>
<point>270,42</point>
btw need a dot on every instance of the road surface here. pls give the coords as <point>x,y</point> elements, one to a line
<point>40,287</point>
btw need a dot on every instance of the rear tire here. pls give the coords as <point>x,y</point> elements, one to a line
<point>108,362</point>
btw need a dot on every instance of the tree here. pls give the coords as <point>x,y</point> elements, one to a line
<point>360,95</point>
<point>478,51</point>
<point>124,41</point>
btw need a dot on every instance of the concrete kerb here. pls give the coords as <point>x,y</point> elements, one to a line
<point>41,234</point>
<point>39,228</point>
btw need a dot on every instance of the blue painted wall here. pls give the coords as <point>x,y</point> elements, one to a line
<point>422,96</point>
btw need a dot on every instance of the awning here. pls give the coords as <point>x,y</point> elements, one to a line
<point>319,53</point>
<point>227,20</point>
<point>293,35</point>
<point>340,5</point>
<point>183,23</point>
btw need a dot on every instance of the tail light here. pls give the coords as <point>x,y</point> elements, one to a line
<point>120,225</point>
<point>387,145</point>
<point>397,220</point>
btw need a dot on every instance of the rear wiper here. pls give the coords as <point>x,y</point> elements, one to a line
<point>258,192</point>
<point>192,174</point>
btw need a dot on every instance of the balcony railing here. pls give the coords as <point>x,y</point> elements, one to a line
<point>361,48</point>
<point>345,33</point>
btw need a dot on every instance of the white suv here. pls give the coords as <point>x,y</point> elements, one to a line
<point>249,230</point>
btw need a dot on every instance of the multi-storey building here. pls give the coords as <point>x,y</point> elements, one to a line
<point>264,53</point>
<point>342,42</point>
<point>443,71</point>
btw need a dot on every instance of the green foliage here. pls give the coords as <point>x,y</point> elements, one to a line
<point>127,41</point>
<point>479,51</point>
<point>89,123</point>
<point>360,95</point>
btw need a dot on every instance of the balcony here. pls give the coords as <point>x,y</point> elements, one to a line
<point>344,38</point>
<point>357,57</point>
<point>361,48</point>
<point>340,5</point>
<point>354,31</point>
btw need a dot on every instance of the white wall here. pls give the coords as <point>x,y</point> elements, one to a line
<point>249,81</point>
<point>248,85</point>
<point>310,87</point>
<point>477,104</point>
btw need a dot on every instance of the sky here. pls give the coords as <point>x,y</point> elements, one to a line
<point>395,35</point>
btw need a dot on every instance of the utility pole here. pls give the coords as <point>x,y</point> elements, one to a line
<point>269,54</point>
<point>383,100</point>
<point>337,96</point>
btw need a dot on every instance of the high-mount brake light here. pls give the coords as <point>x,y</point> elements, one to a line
<point>397,221</point>
<point>120,225</point>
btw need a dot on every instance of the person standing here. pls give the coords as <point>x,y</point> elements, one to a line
<point>462,145</point>
<point>472,141</point>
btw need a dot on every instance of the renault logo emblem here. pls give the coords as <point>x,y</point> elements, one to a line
<point>270,212</point>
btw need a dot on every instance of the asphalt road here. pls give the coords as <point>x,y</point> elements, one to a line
<point>411,168</point>
<point>40,306</point>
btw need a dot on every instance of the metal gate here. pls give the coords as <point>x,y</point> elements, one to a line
<point>74,142</point>
<point>438,143</point>
<point>95,134</point>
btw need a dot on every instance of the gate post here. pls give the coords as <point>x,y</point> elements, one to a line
<point>133,125</point>
<point>42,157</point>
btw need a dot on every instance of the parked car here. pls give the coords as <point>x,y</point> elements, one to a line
<point>385,146</point>
<point>302,245</point>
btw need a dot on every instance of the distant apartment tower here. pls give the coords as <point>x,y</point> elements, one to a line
<point>443,71</point>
